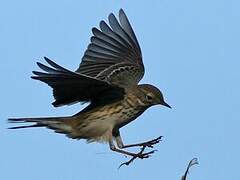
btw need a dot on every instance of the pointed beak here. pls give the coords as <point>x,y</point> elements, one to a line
<point>165,104</point>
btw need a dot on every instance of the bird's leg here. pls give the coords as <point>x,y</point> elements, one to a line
<point>140,155</point>
<point>144,144</point>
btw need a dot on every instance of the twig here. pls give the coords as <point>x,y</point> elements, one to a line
<point>191,163</point>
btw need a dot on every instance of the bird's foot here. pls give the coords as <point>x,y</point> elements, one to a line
<point>151,142</point>
<point>139,155</point>
<point>145,144</point>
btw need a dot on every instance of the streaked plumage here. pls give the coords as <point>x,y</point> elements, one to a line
<point>108,78</point>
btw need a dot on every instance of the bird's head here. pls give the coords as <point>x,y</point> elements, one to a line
<point>151,95</point>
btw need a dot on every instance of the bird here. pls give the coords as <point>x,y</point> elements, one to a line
<point>108,79</point>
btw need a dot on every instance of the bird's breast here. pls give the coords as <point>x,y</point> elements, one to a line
<point>114,115</point>
<point>128,111</point>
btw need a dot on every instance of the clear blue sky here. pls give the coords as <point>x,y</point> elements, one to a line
<point>191,51</point>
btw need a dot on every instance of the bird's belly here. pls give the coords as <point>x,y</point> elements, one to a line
<point>99,125</point>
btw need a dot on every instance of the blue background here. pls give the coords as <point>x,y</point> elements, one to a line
<point>191,52</point>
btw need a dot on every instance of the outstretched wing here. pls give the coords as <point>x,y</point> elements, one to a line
<point>71,87</point>
<point>114,54</point>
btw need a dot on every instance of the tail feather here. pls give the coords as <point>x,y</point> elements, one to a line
<point>58,124</point>
<point>27,126</point>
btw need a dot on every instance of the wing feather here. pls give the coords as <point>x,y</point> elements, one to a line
<point>71,87</point>
<point>114,54</point>
<point>111,63</point>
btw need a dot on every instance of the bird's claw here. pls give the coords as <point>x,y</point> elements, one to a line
<point>140,155</point>
<point>145,155</point>
<point>151,142</point>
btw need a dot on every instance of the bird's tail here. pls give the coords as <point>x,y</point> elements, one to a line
<point>58,124</point>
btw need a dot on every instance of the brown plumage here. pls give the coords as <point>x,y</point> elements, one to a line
<point>108,78</point>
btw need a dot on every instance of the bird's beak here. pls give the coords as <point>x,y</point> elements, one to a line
<point>165,104</point>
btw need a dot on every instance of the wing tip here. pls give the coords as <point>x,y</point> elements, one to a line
<point>46,58</point>
<point>112,18</point>
<point>50,62</point>
<point>56,104</point>
<point>121,11</point>
<point>13,120</point>
<point>110,15</point>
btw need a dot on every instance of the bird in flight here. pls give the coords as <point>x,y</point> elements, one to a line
<point>107,78</point>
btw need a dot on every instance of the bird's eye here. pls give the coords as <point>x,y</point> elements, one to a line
<point>149,97</point>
